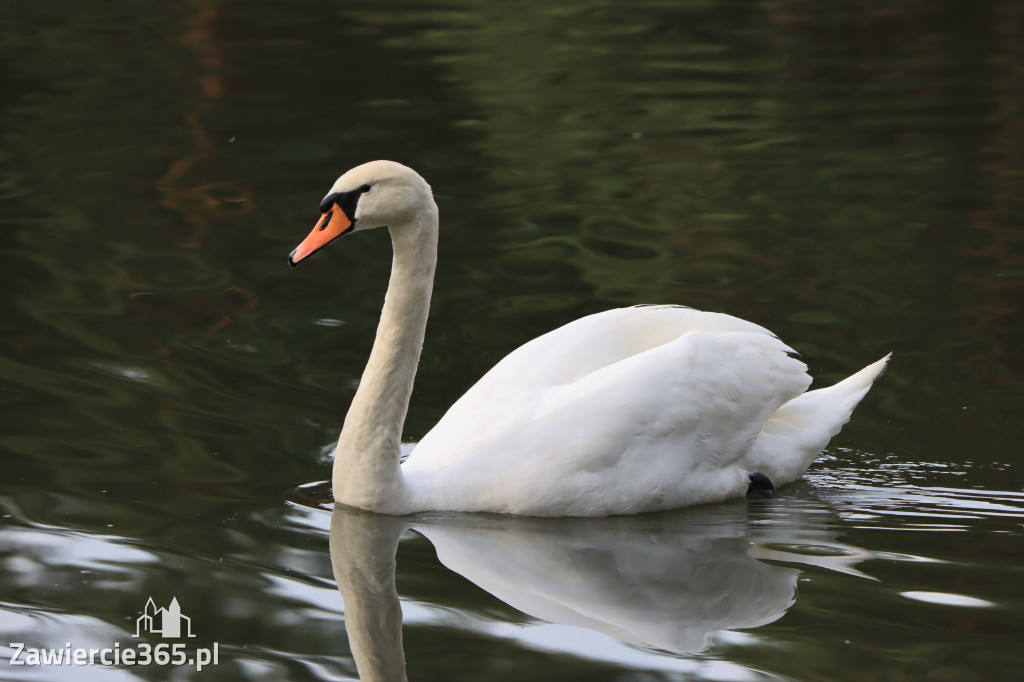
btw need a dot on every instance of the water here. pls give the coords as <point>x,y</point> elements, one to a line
<point>848,175</point>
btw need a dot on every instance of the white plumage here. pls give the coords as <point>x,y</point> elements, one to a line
<point>625,411</point>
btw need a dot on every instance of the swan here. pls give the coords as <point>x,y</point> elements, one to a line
<point>621,412</point>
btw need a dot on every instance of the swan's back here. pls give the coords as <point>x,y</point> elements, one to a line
<point>591,343</point>
<point>628,410</point>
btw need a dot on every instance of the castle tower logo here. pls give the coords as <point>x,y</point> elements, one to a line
<point>164,622</point>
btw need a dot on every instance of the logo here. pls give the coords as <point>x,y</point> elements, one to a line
<point>167,622</point>
<point>164,622</point>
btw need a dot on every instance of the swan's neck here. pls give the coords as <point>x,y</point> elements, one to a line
<point>366,462</point>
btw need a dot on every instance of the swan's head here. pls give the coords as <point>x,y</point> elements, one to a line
<point>376,194</point>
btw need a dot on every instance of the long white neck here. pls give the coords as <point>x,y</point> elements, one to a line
<point>366,462</point>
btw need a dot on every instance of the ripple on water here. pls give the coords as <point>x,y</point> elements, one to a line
<point>124,371</point>
<point>915,494</point>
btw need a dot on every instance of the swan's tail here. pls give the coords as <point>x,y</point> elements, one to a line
<point>801,428</point>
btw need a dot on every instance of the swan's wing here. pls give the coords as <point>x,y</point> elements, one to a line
<point>583,346</point>
<point>624,404</point>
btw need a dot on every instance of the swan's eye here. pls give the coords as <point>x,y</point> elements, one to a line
<point>365,188</point>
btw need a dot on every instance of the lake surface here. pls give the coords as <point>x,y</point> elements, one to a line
<point>848,174</point>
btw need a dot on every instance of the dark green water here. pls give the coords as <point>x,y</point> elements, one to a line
<point>848,174</point>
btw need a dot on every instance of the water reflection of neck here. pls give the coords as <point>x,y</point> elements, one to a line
<point>363,550</point>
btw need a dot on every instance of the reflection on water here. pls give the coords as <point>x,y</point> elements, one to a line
<point>363,550</point>
<point>678,582</point>
<point>846,173</point>
<point>718,592</point>
<point>667,581</point>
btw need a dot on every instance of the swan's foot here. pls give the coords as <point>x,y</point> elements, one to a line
<point>760,484</point>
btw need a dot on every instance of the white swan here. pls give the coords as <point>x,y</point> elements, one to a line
<point>622,412</point>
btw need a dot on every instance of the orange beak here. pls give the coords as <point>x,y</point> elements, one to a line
<point>331,225</point>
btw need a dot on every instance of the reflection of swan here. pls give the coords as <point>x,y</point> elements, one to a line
<point>625,411</point>
<point>363,557</point>
<point>657,583</point>
<point>669,581</point>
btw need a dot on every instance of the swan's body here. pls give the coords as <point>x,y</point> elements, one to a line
<point>626,411</point>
